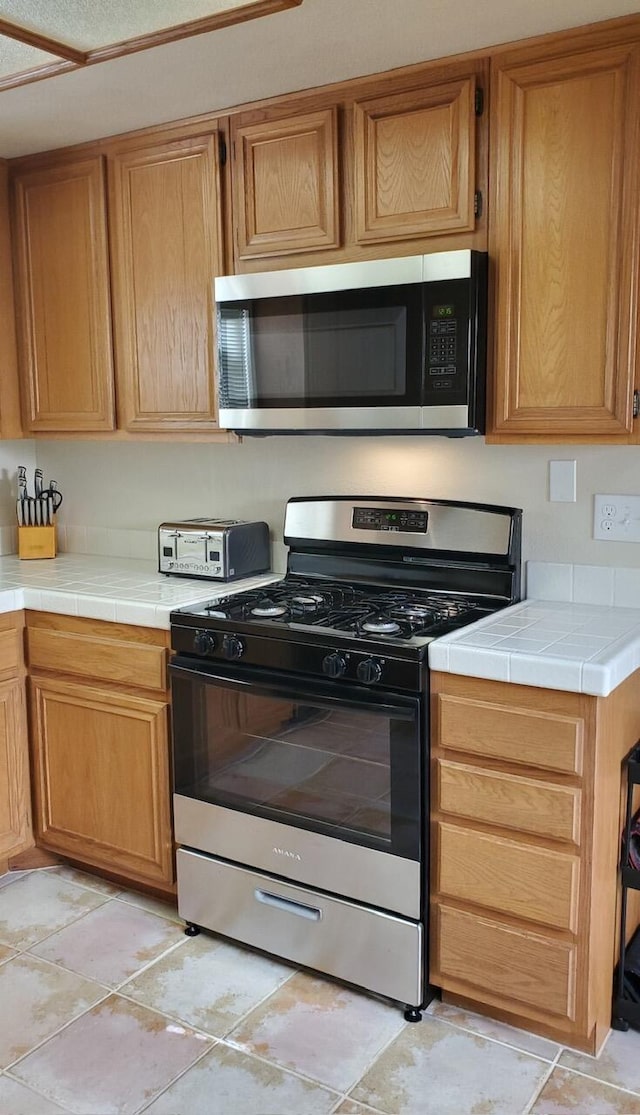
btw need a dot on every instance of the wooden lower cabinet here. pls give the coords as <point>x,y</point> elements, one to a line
<point>99,710</point>
<point>15,805</point>
<point>101,773</point>
<point>525,841</point>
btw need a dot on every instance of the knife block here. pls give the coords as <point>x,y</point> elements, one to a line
<point>36,542</point>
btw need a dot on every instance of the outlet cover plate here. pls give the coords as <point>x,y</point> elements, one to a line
<point>616,518</point>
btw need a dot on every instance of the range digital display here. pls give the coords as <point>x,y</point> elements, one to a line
<point>378,518</point>
<point>447,310</point>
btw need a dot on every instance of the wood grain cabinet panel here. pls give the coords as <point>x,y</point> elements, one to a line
<point>518,735</point>
<point>503,963</point>
<point>105,659</point>
<point>508,876</point>
<point>102,786</point>
<point>285,191</point>
<point>415,162</point>
<point>15,803</point>
<point>507,801</point>
<point>62,296</point>
<point>10,418</point>
<point>565,232</point>
<point>166,249</point>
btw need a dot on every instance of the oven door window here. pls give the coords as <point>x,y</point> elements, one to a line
<point>343,767</point>
<point>351,348</point>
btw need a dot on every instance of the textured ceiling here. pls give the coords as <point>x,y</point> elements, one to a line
<point>88,24</point>
<point>318,42</point>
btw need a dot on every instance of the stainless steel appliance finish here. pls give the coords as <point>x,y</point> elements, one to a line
<point>344,276</point>
<point>375,950</point>
<point>301,732</point>
<point>364,874</point>
<point>445,526</point>
<point>218,549</point>
<point>393,345</point>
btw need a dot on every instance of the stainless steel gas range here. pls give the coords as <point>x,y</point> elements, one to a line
<point>301,733</point>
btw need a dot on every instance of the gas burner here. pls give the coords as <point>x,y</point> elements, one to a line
<point>269,610</point>
<point>308,602</point>
<point>379,625</point>
<point>417,612</point>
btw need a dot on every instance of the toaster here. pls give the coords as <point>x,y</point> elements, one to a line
<point>219,549</point>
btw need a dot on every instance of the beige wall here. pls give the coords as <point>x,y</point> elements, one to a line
<point>138,485</point>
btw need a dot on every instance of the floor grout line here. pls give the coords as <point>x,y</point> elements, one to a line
<point>499,1041</point>
<point>54,1033</point>
<point>542,1084</point>
<point>599,1080</point>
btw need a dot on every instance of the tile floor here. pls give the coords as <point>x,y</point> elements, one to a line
<point>106,1007</point>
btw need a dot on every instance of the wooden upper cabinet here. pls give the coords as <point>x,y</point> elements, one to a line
<point>564,242</point>
<point>166,249</point>
<point>415,162</point>
<point>285,183</point>
<point>10,420</point>
<point>62,295</point>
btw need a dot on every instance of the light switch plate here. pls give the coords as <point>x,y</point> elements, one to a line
<point>616,518</point>
<point>562,481</point>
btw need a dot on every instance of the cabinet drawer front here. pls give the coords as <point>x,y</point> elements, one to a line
<point>10,651</point>
<point>514,878</point>
<point>509,801</point>
<point>503,962</point>
<point>539,739</point>
<point>83,656</point>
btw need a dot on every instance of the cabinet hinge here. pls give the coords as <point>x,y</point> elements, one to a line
<point>222,151</point>
<point>636,403</point>
<point>479,102</point>
<point>477,204</point>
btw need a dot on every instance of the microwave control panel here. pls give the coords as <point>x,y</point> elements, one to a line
<point>447,331</point>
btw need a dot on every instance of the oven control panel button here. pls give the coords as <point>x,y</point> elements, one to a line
<point>369,671</point>
<point>204,642</point>
<point>232,646</point>
<point>335,665</point>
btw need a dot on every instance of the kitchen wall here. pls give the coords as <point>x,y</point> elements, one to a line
<point>135,486</point>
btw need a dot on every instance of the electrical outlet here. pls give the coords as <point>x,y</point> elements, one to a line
<point>616,518</point>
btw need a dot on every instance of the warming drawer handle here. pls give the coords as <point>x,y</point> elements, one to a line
<point>311,913</point>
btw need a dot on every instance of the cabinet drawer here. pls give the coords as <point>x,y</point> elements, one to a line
<point>506,875</point>
<point>503,962</point>
<point>507,800</point>
<point>539,739</point>
<point>68,652</point>
<point>10,652</point>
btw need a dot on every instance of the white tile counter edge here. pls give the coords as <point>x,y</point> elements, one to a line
<point>575,647</point>
<point>79,585</point>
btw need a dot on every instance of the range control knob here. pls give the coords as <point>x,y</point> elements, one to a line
<point>369,671</point>
<point>204,642</point>
<point>335,665</point>
<point>232,646</point>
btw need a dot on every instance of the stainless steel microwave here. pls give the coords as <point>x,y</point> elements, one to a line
<point>385,346</point>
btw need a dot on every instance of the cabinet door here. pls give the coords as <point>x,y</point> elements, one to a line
<point>62,294</point>
<point>166,250</point>
<point>415,162</point>
<point>102,778</point>
<point>564,240</point>
<point>285,175</point>
<point>10,422</point>
<point>15,809</point>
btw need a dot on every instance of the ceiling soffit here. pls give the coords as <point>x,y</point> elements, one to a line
<point>38,41</point>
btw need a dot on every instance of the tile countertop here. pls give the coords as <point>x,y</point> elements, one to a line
<point>581,648</point>
<point>125,590</point>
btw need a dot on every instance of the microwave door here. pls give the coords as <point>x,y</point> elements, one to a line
<point>323,361</point>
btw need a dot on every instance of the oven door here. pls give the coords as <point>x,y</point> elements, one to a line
<point>316,782</point>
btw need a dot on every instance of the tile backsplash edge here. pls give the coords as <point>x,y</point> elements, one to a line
<point>583,584</point>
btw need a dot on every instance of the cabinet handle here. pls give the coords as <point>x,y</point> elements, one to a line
<point>311,913</point>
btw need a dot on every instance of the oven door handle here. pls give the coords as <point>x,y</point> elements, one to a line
<point>311,913</point>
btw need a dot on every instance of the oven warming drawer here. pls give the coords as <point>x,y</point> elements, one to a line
<point>377,951</point>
